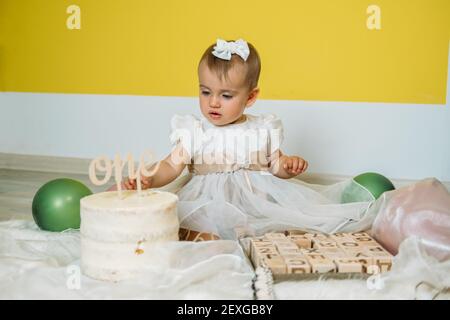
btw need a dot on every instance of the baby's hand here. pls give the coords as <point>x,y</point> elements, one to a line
<point>295,165</point>
<point>146,182</point>
<point>131,184</point>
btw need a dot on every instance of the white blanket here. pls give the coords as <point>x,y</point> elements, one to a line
<point>35,264</point>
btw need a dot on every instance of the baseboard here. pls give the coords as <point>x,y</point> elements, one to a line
<point>44,163</point>
<point>13,161</point>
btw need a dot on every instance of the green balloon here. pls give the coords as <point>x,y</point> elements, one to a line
<point>56,205</point>
<point>375,183</point>
<point>365,186</point>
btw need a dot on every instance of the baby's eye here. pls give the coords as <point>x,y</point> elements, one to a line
<point>227,96</point>
<point>205,93</point>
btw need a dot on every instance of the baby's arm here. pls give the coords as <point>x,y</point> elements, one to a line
<point>285,167</point>
<point>169,169</point>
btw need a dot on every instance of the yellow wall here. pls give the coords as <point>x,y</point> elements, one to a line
<point>311,50</point>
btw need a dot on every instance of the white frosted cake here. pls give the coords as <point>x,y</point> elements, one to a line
<point>118,236</point>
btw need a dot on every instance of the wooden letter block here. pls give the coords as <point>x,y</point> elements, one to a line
<point>348,265</point>
<point>301,241</point>
<point>265,250</point>
<point>298,265</point>
<point>320,264</point>
<point>381,257</point>
<point>288,251</point>
<point>293,256</point>
<point>262,244</point>
<point>324,245</point>
<point>258,258</point>
<point>257,245</point>
<point>350,246</point>
<point>341,237</point>
<point>275,263</point>
<point>294,232</point>
<point>367,261</point>
<point>310,251</point>
<point>285,245</point>
<point>275,235</point>
<point>377,250</point>
<point>385,265</point>
<point>315,257</point>
<point>365,241</point>
<point>335,253</point>
<point>258,252</point>
<point>359,234</point>
<point>316,236</point>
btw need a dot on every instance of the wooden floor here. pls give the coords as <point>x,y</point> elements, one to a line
<point>18,187</point>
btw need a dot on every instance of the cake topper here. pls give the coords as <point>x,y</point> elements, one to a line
<point>105,165</point>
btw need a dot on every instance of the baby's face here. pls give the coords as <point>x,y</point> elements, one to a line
<point>224,101</point>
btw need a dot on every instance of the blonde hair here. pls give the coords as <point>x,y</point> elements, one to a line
<point>221,67</point>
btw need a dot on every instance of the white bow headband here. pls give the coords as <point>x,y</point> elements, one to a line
<point>224,49</point>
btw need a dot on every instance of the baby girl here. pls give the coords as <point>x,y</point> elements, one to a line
<point>240,182</point>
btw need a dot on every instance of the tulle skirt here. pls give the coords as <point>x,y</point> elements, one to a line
<point>251,203</point>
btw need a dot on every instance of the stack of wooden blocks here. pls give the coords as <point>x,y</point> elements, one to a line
<point>297,252</point>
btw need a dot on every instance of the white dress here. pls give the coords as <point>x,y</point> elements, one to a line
<point>232,193</point>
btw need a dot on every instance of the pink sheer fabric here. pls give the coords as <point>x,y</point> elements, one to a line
<point>422,210</point>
